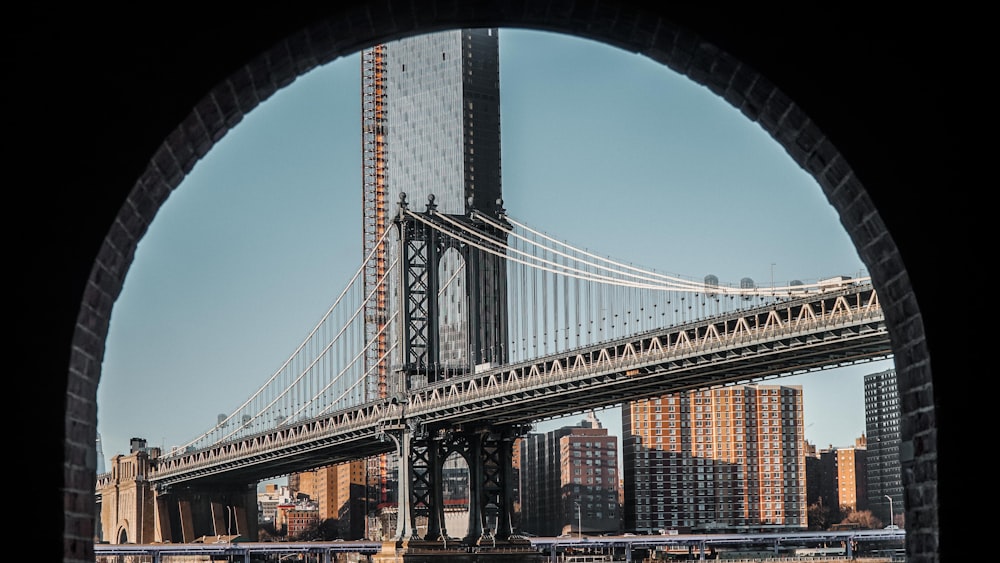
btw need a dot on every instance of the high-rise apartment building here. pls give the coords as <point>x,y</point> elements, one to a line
<point>430,128</point>
<point>882,415</point>
<point>841,479</point>
<point>442,126</point>
<point>569,480</point>
<point>731,458</point>
<point>518,464</point>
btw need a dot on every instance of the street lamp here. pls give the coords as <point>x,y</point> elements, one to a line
<point>891,523</point>
<point>579,520</point>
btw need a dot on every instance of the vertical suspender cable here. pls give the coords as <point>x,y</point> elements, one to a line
<point>565,305</point>
<point>546,311</point>
<point>579,297</point>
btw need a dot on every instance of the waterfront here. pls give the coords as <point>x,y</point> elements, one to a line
<point>870,546</point>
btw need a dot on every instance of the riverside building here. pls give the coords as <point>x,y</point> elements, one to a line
<point>837,480</point>
<point>569,481</point>
<point>882,414</point>
<point>727,459</point>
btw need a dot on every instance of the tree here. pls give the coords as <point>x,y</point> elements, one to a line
<point>863,518</point>
<point>820,516</point>
<point>267,532</point>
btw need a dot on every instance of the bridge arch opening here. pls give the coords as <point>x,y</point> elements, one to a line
<point>455,473</point>
<point>781,117</point>
<point>453,306</point>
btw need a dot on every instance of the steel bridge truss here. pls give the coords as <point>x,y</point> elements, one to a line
<point>805,334</point>
<point>811,333</point>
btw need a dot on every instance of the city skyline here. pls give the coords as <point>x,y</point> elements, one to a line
<point>246,248</point>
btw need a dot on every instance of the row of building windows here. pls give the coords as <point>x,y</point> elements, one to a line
<point>595,470</point>
<point>609,445</point>
<point>699,411</point>
<point>595,453</point>
<point>594,463</point>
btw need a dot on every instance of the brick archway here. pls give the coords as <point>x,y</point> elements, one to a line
<point>634,27</point>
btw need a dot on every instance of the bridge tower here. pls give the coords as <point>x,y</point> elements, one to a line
<point>431,132</point>
<point>487,449</point>
<point>127,497</point>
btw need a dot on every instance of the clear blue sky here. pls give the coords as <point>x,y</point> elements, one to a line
<point>601,148</point>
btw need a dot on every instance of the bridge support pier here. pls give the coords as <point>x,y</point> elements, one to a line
<point>488,452</point>
<point>185,514</point>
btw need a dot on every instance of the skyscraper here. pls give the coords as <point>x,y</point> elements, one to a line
<point>443,120</point>
<point>101,464</point>
<point>430,128</point>
<point>731,458</point>
<point>885,480</point>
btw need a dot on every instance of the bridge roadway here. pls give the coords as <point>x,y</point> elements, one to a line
<point>553,546</point>
<point>799,334</point>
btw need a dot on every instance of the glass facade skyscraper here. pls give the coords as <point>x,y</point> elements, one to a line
<point>101,465</point>
<point>443,120</point>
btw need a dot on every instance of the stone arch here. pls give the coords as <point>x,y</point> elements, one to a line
<point>633,26</point>
<point>121,536</point>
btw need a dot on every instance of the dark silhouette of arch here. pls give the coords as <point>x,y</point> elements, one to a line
<point>110,110</point>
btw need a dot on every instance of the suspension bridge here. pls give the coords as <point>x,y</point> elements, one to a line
<point>460,331</point>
